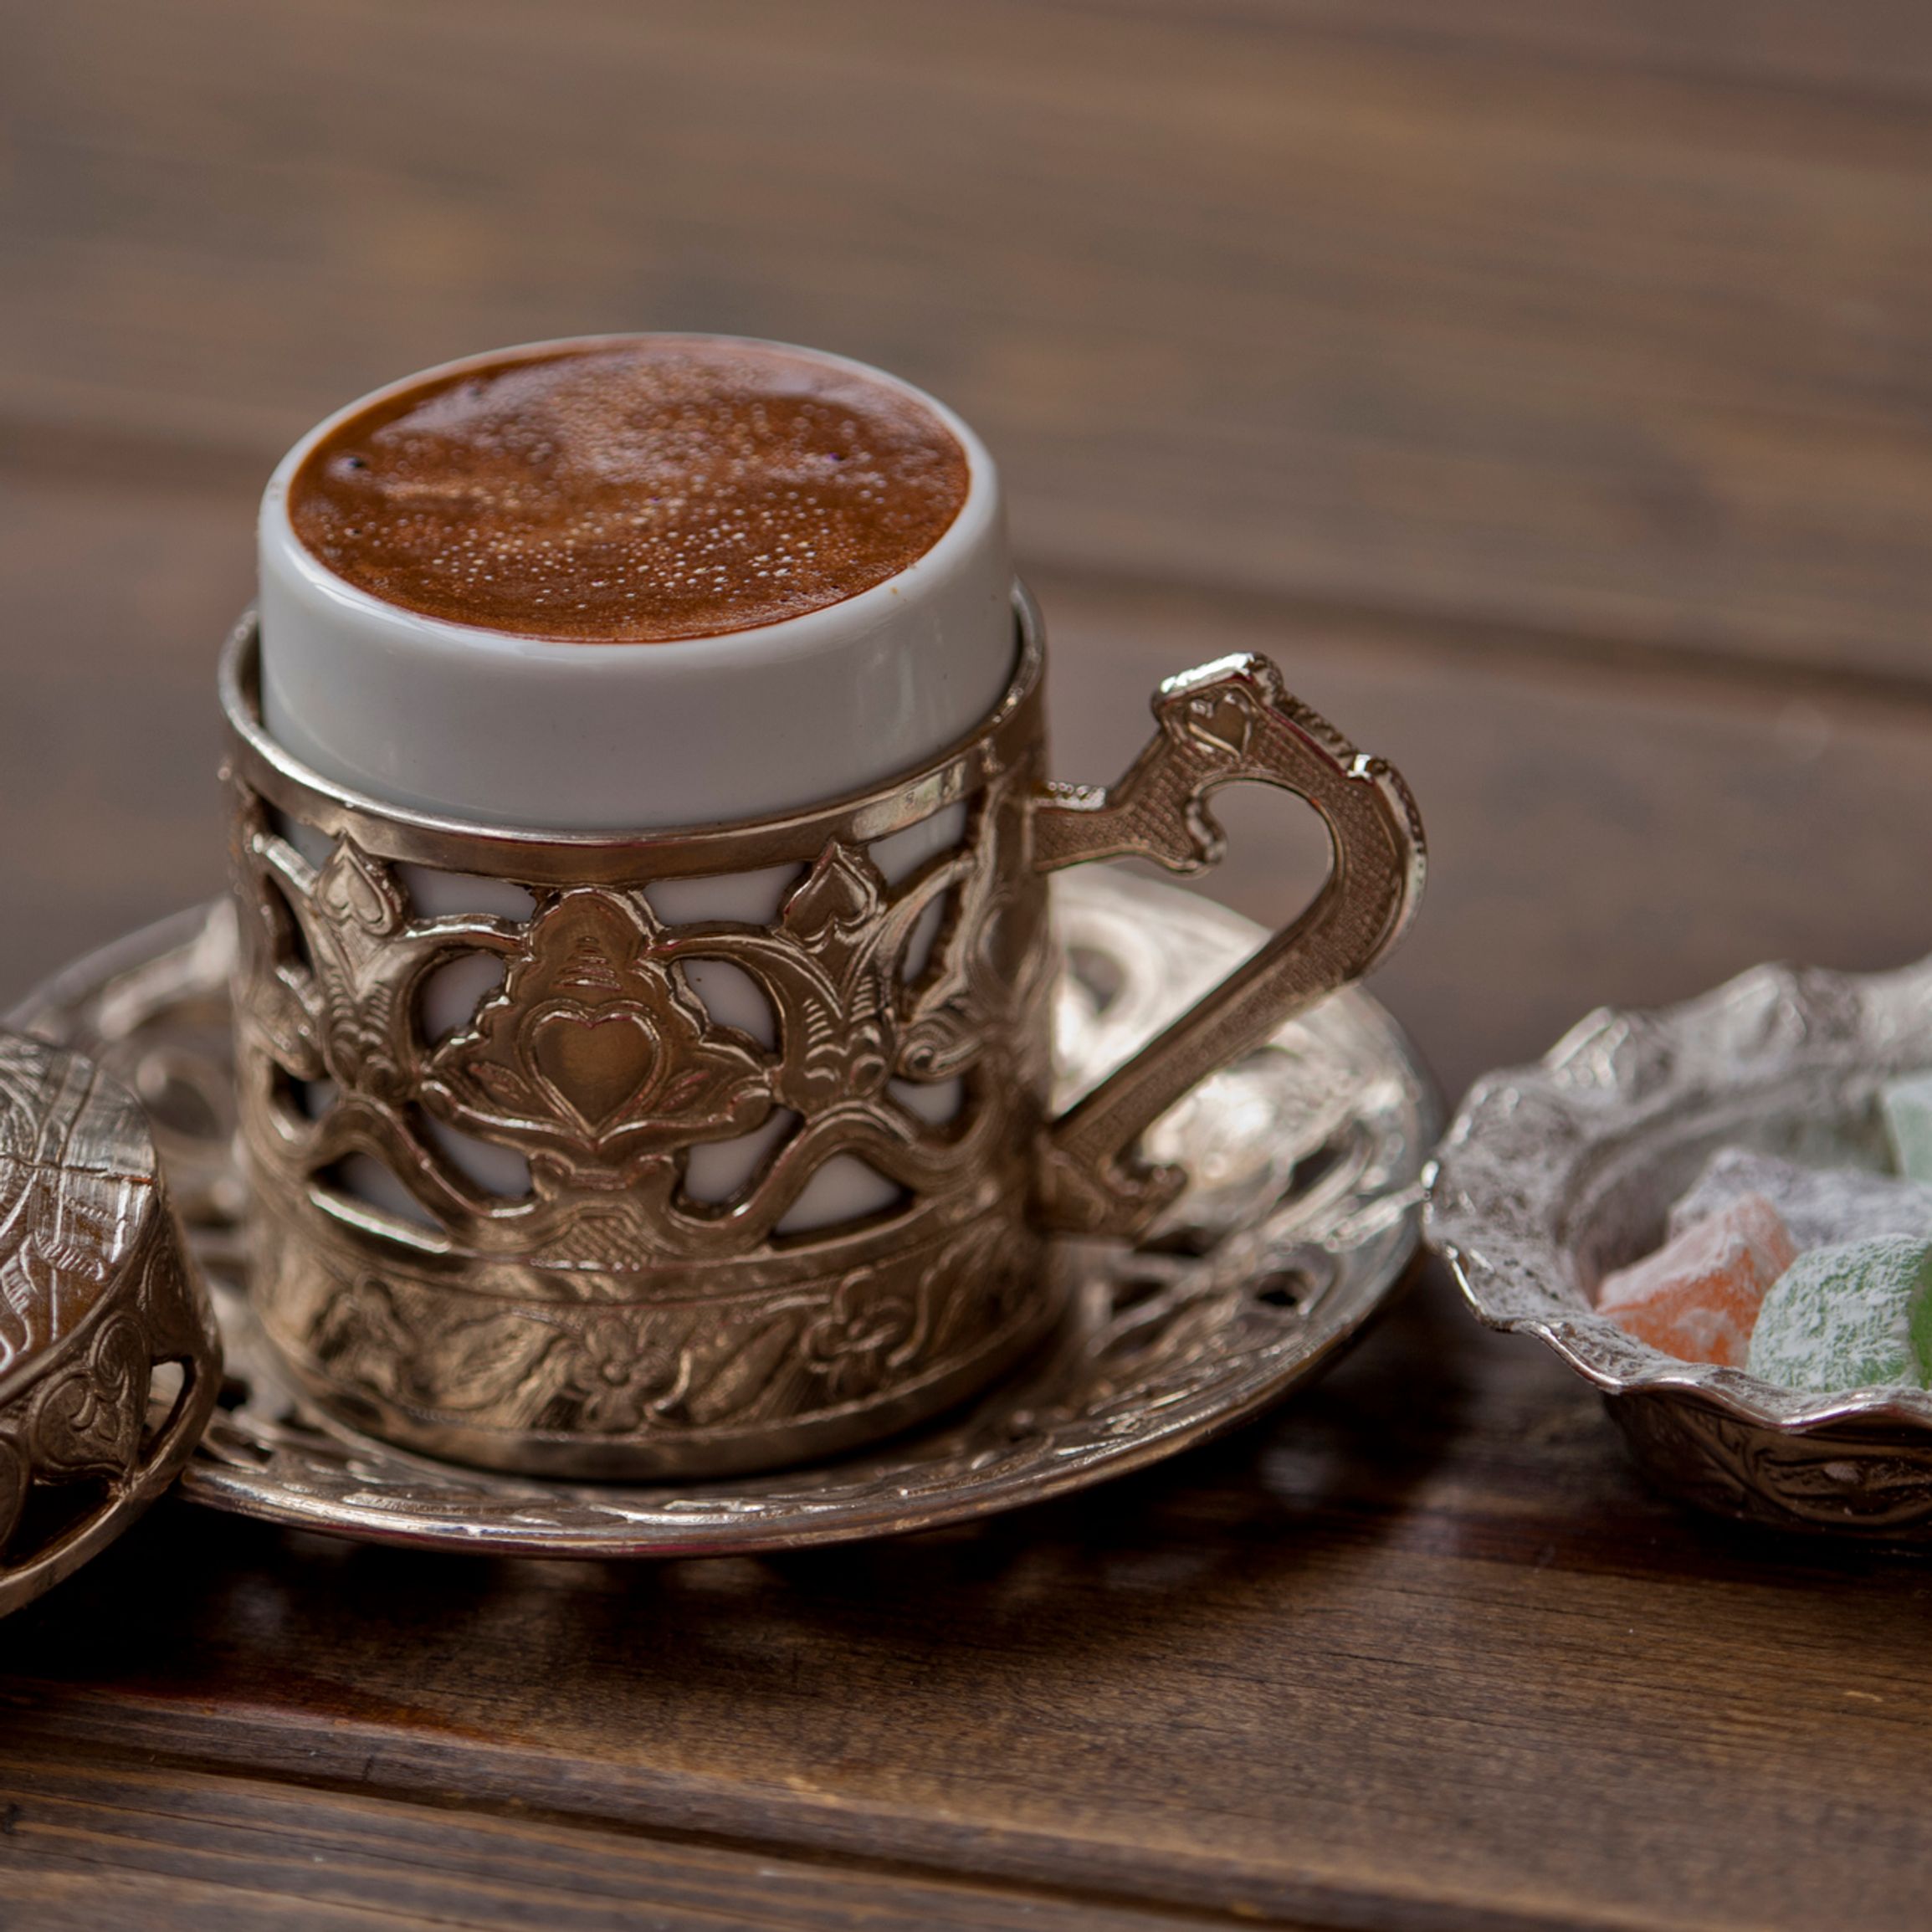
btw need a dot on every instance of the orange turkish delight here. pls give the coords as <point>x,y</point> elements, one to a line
<point>1698,1297</point>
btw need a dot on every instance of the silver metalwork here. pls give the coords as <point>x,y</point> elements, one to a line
<point>595,1315</point>
<point>109,1358</point>
<point>1552,1175</point>
<point>1298,1218</point>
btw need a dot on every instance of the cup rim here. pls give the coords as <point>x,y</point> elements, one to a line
<point>744,649</point>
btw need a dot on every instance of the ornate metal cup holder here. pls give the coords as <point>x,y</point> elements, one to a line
<point>1301,1216</point>
<point>1552,1175</point>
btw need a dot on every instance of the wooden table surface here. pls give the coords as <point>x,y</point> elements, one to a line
<point>1548,385</point>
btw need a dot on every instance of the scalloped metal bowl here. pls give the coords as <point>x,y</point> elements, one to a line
<point>1552,1175</point>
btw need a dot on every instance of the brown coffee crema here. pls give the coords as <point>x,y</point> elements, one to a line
<point>631,491</point>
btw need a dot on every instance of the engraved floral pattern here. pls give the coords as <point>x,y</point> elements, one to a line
<point>617,1382</point>
<point>93,1293</point>
<point>863,1336</point>
<point>606,1301</point>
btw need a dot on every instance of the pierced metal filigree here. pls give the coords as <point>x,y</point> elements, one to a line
<point>94,1298</point>
<point>490,1245</point>
<point>1298,1220</point>
<point>604,1318</point>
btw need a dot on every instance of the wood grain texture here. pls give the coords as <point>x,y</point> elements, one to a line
<point>1545,388</point>
<point>1873,49</point>
<point>84,1838</point>
<point>1419,1652</point>
<point>1628,343</point>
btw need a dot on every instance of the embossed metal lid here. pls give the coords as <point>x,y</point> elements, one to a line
<point>109,1359</point>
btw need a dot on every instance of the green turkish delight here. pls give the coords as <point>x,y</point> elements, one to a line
<point>1907,1106</point>
<point>1853,1316</point>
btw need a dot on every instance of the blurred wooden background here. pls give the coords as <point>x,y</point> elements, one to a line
<point>1548,384</point>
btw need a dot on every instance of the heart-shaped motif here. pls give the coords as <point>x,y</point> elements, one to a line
<point>348,889</point>
<point>594,1060</point>
<point>1225,725</point>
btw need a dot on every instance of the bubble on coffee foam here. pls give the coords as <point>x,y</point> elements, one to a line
<point>632,492</point>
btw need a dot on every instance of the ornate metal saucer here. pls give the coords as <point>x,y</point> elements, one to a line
<point>1552,1175</point>
<point>1303,1212</point>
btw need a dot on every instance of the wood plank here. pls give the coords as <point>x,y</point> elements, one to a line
<point>1872,47</point>
<point>109,813</point>
<point>1417,1653</point>
<point>1607,349</point>
<point>87,1842</point>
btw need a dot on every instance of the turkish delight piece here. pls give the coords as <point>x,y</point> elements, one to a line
<point>1697,1298</point>
<point>1822,1205</point>
<point>1852,1317</point>
<point>1907,1106</point>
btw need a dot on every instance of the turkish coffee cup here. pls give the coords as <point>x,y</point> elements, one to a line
<point>641,834</point>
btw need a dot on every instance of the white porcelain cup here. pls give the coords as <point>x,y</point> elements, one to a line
<point>477,723</point>
<point>473,723</point>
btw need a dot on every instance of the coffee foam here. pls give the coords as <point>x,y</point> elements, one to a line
<point>631,491</point>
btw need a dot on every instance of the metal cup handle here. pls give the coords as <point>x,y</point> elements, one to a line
<point>1229,722</point>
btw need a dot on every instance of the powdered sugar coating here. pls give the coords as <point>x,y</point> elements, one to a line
<point>1820,1206</point>
<point>1855,1316</point>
